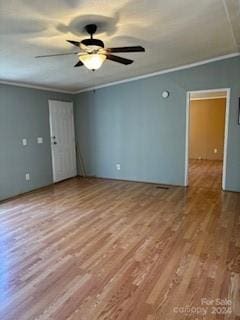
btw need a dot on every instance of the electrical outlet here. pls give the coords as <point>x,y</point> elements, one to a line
<point>39,140</point>
<point>27,176</point>
<point>118,166</point>
<point>24,142</point>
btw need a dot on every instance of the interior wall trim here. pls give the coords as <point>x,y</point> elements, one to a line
<point>226,131</point>
<point>30,86</point>
<point>148,75</point>
<point>153,74</point>
<point>209,98</point>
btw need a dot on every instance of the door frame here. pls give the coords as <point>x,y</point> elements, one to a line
<point>226,130</point>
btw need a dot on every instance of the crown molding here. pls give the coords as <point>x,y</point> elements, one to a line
<point>153,74</point>
<point>24,85</point>
<point>148,75</point>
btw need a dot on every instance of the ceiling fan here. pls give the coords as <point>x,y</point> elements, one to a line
<point>92,53</point>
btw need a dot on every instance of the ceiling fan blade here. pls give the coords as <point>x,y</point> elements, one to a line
<point>75,43</point>
<point>79,64</point>
<point>119,59</point>
<point>83,46</point>
<point>56,55</point>
<point>126,49</point>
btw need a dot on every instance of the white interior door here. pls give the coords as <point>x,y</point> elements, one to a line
<point>62,140</point>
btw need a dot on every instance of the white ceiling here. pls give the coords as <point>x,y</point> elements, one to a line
<point>174,33</point>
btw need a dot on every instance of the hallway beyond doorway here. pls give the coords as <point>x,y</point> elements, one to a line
<point>205,174</point>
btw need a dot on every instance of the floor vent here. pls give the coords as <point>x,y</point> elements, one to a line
<point>162,187</point>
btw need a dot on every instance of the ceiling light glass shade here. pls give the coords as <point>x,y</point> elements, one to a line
<point>93,61</point>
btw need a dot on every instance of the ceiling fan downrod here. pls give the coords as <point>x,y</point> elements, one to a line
<point>91,29</point>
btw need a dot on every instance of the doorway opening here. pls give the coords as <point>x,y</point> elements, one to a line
<point>206,138</point>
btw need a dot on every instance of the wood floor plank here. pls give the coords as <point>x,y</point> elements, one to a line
<point>95,249</point>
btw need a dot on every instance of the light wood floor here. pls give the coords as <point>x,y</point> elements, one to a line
<point>90,249</point>
<point>206,174</point>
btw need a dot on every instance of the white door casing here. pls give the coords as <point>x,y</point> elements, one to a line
<point>62,140</point>
<point>188,100</point>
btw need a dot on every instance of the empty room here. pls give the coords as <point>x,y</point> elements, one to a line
<point>119,160</point>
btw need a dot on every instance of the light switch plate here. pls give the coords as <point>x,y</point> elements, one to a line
<point>39,140</point>
<point>24,142</point>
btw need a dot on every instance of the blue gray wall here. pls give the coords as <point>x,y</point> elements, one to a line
<point>128,124</point>
<point>133,125</point>
<point>24,114</point>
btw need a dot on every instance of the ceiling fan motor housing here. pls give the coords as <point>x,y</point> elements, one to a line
<point>93,42</point>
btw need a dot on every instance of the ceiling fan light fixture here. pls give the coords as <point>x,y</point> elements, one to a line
<point>91,52</point>
<point>93,61</point>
